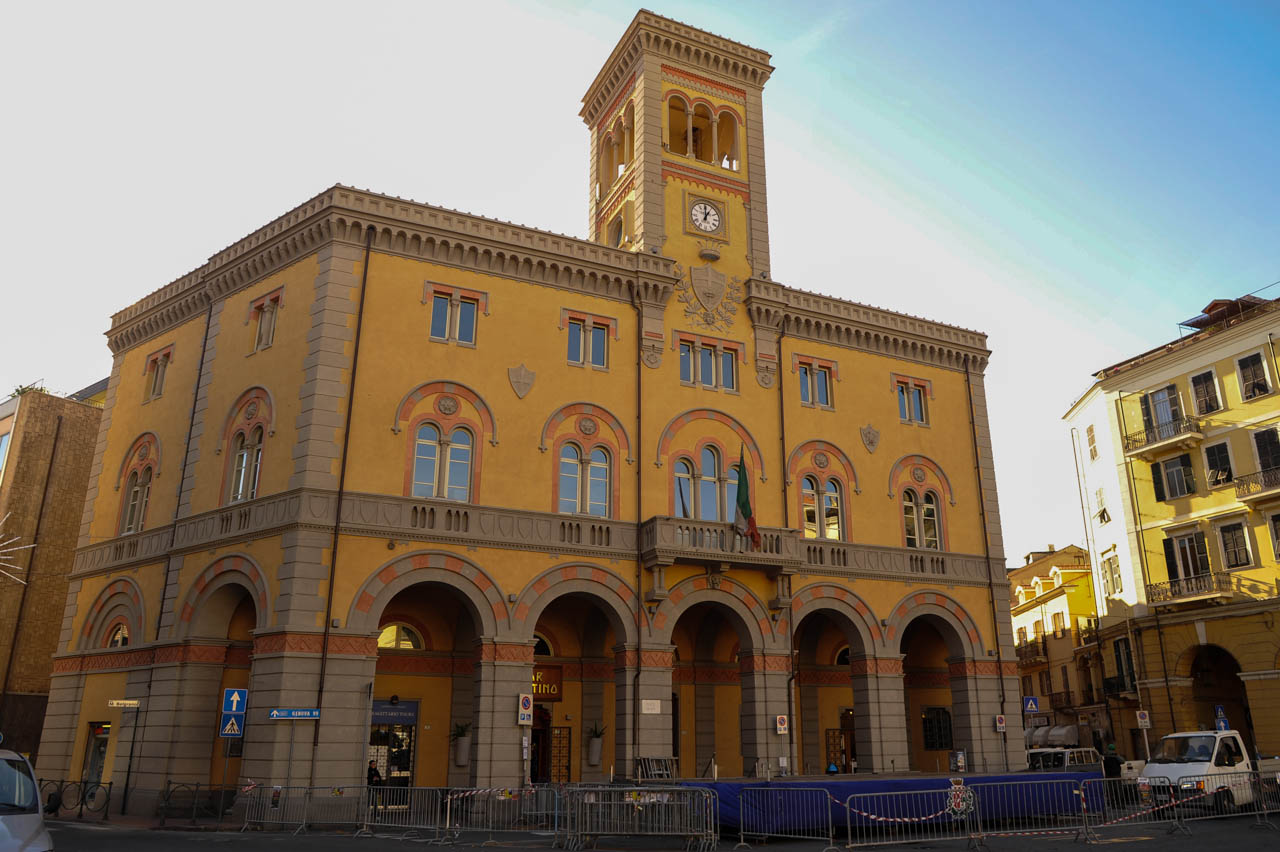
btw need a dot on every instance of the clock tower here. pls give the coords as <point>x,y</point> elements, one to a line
<point>677,153</point>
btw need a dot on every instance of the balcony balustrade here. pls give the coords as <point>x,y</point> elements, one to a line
<point>1201,585</point>
<point>1185,431</point>
<point>1032,651</point>
<point>1258,486</point>
<point>1060,700</point>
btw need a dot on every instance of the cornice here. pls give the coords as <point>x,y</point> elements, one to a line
<point>713,56</point>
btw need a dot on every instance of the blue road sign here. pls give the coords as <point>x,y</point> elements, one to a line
<point>1219,712</point>
<point>1222,724</point>
<point>234,700</point>
<point>283,713</point>
<point>231,726</point>
<point>1030,704</point>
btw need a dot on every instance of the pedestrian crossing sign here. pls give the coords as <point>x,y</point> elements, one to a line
<point>231,726</point>
<point>1030,704</point>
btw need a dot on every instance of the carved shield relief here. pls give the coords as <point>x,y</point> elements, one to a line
<point>709,286</point>
<point>521,379</point>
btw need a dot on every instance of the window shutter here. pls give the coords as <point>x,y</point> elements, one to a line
<point>1146,413</point>
<point>1157,481</point>
<point>1170,559</point>
<point>1174,408</point>
<point>1188,476</point>
<point>1202,554</point>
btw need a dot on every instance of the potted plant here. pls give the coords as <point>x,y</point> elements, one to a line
<point>461,739</point>
<point>595,743</point>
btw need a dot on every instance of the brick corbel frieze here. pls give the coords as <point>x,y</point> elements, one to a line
<point>875,666</point>
<point>505,652</point>
<point>630,659</point>
<point>748,663</point>
<point>313,643</point>
<point>982,668</point>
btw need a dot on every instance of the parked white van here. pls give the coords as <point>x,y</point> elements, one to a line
<point>21,823</point>
<point>1211,768</point>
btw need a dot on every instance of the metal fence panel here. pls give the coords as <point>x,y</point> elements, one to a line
<point>276,808</point>
<point>801,813</point>
<point>689,813</point>
<point>882,819</point>
<point>491,810</point>
<point>75,798</point>
<point>1127,802</point>
<point>413,811</point>
<point>1030,808</point>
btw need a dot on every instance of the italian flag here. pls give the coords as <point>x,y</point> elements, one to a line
<point>744,522</point>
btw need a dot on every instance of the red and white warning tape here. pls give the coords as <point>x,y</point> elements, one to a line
<point>878,818</point>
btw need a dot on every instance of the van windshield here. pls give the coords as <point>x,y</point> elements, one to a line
<point>17,787</point>
<point>1184,750</point>
<point>1047,759</point>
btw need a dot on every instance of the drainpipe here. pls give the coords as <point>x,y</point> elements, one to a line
<point>639,450</point>
<point>986,550</point>
<point>1146,576</point>
<point>31,561</point>
<point>786,523</point>
<point>342,483</point>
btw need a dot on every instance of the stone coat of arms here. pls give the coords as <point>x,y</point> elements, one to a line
<point>710,297</point>
<point>870,437</point>
<point>521,379</point>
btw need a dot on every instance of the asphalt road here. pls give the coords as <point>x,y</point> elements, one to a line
<point>1237,834</point>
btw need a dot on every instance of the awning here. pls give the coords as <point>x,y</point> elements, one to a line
<point>1063,735</point>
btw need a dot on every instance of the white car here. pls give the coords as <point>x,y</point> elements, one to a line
<point>21,822</point>
<point>1208,768</point>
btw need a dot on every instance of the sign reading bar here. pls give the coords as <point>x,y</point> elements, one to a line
<point>548,683</point>
<point>123,702</point>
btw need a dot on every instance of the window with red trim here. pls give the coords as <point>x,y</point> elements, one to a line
<point>157,367</point>
<point>454,312</point>
<point>708,362</point>
<point>921,520</point>
<point>913,399</point>
<point>822,508</point>
<point>815,379</point>
<point>137,494</point>
<point>584,485</point>
<point>263,313</point>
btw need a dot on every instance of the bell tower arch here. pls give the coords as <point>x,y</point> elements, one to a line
<point>677,148</point>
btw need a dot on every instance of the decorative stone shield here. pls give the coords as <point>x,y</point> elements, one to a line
<point>521,379</point>
<point>709,286</point>
<point>870,437</point>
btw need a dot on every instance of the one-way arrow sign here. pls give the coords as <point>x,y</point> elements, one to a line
<point>286,713</point>
<point>234,700</point>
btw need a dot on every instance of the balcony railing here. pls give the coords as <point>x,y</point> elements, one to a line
<point>1088,634</point>
<point>1189,587</point>
<point>1182,428</point>
<point>1031,651</point>
<point>1087,695</point>
<point>1117,685</point>
<point>1060,700</point>
<point>1254,486</point>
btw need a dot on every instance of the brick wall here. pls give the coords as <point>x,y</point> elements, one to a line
<point>32,634</point>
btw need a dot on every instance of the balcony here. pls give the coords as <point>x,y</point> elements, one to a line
<point>1147,443</point>
<point>1255,487</point>
<point>1089,633</point>
<point>1033,651</point>
<point>664,540</point>
<point>1087,695</point>
<point>1060,700</point>
<point>1201,586</point>
<point>1117,686</point>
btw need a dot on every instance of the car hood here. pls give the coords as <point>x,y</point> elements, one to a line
<point>1175,772</point>
<point>24,833</point>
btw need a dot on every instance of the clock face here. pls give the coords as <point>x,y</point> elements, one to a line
<point>705,216</point>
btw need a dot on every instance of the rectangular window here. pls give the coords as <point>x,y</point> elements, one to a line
<point>1205,392</point>
<point>440,317</point>
<point>1253,377</point>
<point>709,363</point>
<point>805,395</point>
<point>822,386</point>
<point>728,373</point>
<point>1059,624</point>
<point>4,452</point>
<point>1037,628</point>
<point>588,342</point>
<point>1046,682</point>
<point>1273,522</point>
<point>1093,443</point>
<point>1022,635</point>
<point>912,405</point>
<point>814,377</point>
<point>707,366</point>
<point>1161,414</point>
<point>266,325</point>
<point>1179,481</point>
<point>936,723</point>
<point>1026,685</point>
<point>576,355</point>
<point>1217,465</point>
<point>1235,547</point>
<point>1186,556</point>
<point>1111,580</point>
<point>599,345</point>
<point>466,321</point>
<point>686,362</point>
<point>1124,662</point>
<point>1268,444</point>
<point>157,376</point>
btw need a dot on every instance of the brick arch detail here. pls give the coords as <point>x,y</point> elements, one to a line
<point>691,101</point>
<point>237,569</point>
<point>814,446</point>
<point>695,414</point>
<point>740,600</point>
<point>614,595</point>
<point>404,411</point>
<point>833,597</point>
<point>463,575</point>
<point>1186,657</point>
<point>265,416</point>
<point>130,462</point>
<point>917,604</point>
<point>122,593</point>
<point>586,409</point>
<point>900,476</point>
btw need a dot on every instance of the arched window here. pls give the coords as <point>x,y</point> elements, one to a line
<point>709,486</point>
<point>809,503</point>
<point>920,521</point>
<point>703,133</point>
<point>584,482</point>
<point>842,657</point>
<point>683,482</point>
<point>426,454</point>
<point>400,637</point>
<point>458,476</point>
<point>727,141</point>
<point>119,637</point>
<point>246,464</point>
<point>137,494</point>
<point>832,527</point>
<point>541,647</point>
<point>678,126</point>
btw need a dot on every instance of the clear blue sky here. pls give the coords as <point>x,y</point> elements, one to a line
<point>1072,178</point>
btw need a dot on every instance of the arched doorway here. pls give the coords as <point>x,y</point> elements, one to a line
<point>574,691</point>
<point>927,694</point>
<point>832,702</point>
<point>422,725</point>
<point>1216,686</point>
<point>227,614</point>
<point>709,641</point>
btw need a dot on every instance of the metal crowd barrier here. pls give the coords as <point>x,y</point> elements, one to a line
<point>689,813</point>
<point>276,808</point>
<point>60,798</point>
<point>491,810</point>
<point>1032,808</point>
<point>1202,797</point>
<point>1119,803</point>
<point>414,812</point>
<point>883,819</point>
<point>195,802</point>
<point>797,813</point>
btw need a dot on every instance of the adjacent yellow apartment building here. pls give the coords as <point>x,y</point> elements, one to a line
<point>404,464</point>
<point>1179,457</point>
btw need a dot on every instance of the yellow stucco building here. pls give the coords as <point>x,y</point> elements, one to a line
<point>403,464</point>
<point>1179,460</point>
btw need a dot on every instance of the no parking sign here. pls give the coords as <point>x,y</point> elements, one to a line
<point>782,724</point>
<point>524,714</point>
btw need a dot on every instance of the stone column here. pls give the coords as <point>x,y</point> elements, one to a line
<point>503,671</point>
<point>764,698</point>
<point>715,141</point>
<point>642,679</point>
<point>591,712</point>
<point>462,699</point>
<point>882,725</point>
<point>688,136</point>
<point>975,701</point>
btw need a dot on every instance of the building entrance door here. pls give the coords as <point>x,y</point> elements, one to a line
<point>95,752</point>
<point>540,745</point>
<point>392,741</point>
